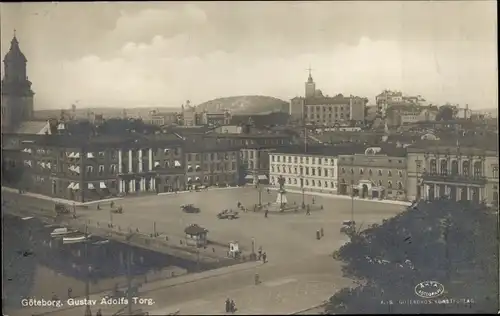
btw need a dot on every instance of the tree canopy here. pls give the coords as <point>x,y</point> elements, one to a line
<point>445,241</point>
<point>445,113</point>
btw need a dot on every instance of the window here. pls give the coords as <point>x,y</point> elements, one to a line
<point>343,170</point>
<point>289,181</point>
<point>307,171</point>
<point>389,185</point>
<point>313,183</point>
<point>400,173</point>
<point>319,161</point>
<point>313,171</point>
<point>307,159</point>
<point>290,170</point>
<point>289,159</point>
<point>101,154</point>
<point>101,170</point>
<point>295,169</point>
<point>379,172</point>
<point>307,182</point>
<point>326,172</point>
<point>361,171</point>
<point>495,172</point>
<point>319,172</point>
<point>278,158</point>
<point>295,159</point>
<point>389,173</point>
<point>319,184</point>
<point>379,183</point>
<point>352,171</point>
<point>294,181</point>
<point>90,169</point>
<point>400,186</point>
<point>370,172</point>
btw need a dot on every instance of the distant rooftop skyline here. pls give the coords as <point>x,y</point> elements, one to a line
<point>162,54</point>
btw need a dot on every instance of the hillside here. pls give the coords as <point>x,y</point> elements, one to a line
<point>248,104</point>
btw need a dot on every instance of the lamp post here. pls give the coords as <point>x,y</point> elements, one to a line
<point>129,276</point>
<point>88,312</point>
<point>352,189</point>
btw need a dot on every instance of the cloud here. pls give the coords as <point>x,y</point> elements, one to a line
<point>147,74</point>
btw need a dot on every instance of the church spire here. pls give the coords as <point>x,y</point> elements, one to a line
<point>310,79</point>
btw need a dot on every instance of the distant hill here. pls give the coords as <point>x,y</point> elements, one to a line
<point>247,104</point>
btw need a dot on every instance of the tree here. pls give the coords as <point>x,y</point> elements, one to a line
<point>445,113</point>
<point>448,242</point>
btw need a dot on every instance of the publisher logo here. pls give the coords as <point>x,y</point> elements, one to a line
<point>429,289</point>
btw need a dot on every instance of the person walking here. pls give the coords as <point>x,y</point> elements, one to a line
<point>112,204</point>
<point>308,210</point>
<point>70,290</point>
<point>233,307</point>
<point>228,305</point>
<point>264,257</point>
<point>265,213</point>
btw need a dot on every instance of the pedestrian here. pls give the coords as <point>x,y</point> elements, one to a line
<point>228,305</point>
<point>308,211</point>
<point>233,307</point>
<point>264,257</point>
<point>98,206</point>
<point>70,290</point>
<point>314,201</point>
<point>112,204</point>
<point>99,313</point>
<point>265,213</point>
<point>257,281</point>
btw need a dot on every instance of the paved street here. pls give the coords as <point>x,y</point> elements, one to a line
<point>282,236</point>
<point>300,273</point>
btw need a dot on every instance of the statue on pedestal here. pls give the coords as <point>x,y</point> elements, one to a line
<point>281,198</point>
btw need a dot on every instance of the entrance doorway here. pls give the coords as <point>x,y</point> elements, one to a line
<point>463,194</point>
<point>453,193</point>
<point>364,193</point>
<point>431,192</point>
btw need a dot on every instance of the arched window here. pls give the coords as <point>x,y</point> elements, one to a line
<point>466,168</point>
<point>295,181</point>
<point>400,186</point>
<point>370,172</point>
<point>389,184</point>
<point>454,167</point>
<point>313,183</point>
<point>433,166</point>
<point>478,166</point>
<point>444,167</point>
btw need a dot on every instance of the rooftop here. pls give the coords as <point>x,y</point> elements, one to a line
<point>318,150</point>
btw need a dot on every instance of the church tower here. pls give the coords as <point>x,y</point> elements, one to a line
<point>17,96</point>
<point>310,86</point>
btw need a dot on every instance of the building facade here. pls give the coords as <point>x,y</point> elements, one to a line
<point>312,169</point>
<point>83,170</point>
<point>162,118</point>
<point>315,108</point>
<point>17,97</point>
<point>255,162</point>
<point>377,173</point>
<point>469,174</point>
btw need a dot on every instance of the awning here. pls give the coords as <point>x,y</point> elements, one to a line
<point>76,186</point>
<point>29,163</point>
<point>71,168</point>
<point>197,178</point>
<point>177,163</point>
<point>378,188</point>
<point>91,186</point>
<point>77,169</point>
<point>42,164</point>
<point>197,166</point>
<point>102,185</point>
<point>60,126</point>
<point>90,155</point>
<point>71,155</point>
<point>189,179</point>
<point>157,163</point>
<point>248,177</point>
<point>48,165</point>
<point>189,167</point>
<point>77,155</point>
<point>262,177</point>
<point>71,185</point>
<point>165,150</point>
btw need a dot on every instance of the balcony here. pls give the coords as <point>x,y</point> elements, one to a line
<point>457,178</point>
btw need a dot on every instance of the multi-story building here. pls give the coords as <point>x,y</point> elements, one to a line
<point>209,162</point>
<point>215,118</point>
<point>162,118</point>
<point>379,172</point>
<point>255,162</point>
<point>312,169</point>
<point>404,114</point>
<point>315,108</point>
<point>389,98</point>
<point>85,169</point>
<point>459,173</point>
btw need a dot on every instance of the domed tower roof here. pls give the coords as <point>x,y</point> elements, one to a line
<point>14,54</point>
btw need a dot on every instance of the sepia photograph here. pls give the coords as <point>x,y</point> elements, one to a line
<point>249,158</point>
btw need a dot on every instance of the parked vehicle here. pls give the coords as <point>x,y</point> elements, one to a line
<point>227,214</point>
<point>190,208</point>
<point>61,208</point>
<point>347,226</point>
<point>60,232</point>
<point>118,210</point>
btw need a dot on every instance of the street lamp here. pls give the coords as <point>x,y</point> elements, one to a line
<point>129,278</point>
<point>352,189</point>
<point>88,312</point>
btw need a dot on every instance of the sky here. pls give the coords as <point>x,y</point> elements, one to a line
<point>164,53</point>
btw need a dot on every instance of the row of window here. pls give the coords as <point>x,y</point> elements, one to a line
<point>400,161</point>
<point>314,160</point>
<point>211,156</point>
<point>320,172</point>
<point>330,108</point>
<point>399,184</point>
<point>370,172</point>
<point>307,182</point>
<point>324,117</point>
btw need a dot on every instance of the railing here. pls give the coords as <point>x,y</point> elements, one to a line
<point>473,179</point>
